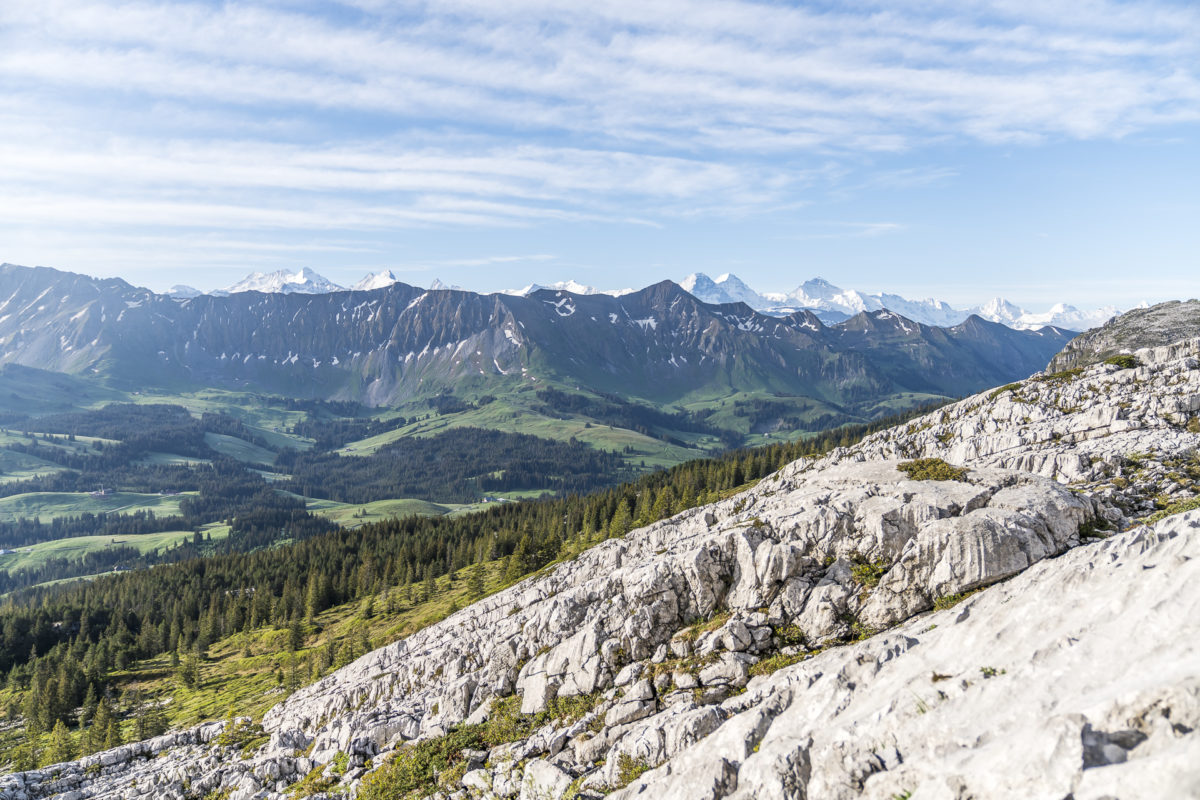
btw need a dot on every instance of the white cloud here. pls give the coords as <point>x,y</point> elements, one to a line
<point>272,117</point>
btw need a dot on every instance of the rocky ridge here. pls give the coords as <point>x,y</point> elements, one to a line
<point>779,643</point>
<point>1154,326</point>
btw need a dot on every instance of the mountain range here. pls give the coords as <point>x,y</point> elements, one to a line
<point>829,302</point>
<point>834,304</point>
<point>400,343</point>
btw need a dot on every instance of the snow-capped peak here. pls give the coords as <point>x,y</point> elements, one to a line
<point>832,303</point>
<point>283,281</point>
<point>375,280</point>
<point>727,288</point>
<point>999,310</point>
<point>572,286</point>
<point>816,289</point>
<point>183,292</point>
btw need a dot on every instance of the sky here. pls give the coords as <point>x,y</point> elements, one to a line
<point>958,149</point>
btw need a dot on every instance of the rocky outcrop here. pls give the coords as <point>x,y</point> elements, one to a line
<point>1156,326</point>
<point>788,642</point>
<point>994,698</point>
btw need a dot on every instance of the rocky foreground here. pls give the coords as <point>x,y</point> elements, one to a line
<point>845,628</point>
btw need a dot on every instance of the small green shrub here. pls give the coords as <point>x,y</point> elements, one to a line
<point>790,635</point>
<point>421,769</point>
<point>629,769</point>
<point>932,469</point>
<point>951,600</point>
<point>1008,387</point>
<point>314,782</point>
<point>246,736</point>
<point>1171,510</point>
<point>775,663</point>
<point>718,619</point>
<point>865,572</point>
<point>1124,361</point>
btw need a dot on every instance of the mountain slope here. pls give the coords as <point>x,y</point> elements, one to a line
<point>393,344</point>
<point>810,637</point>
<point>1155,326</point>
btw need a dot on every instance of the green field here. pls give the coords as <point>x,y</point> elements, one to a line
<point>240,449</point>
<point>80,445</point>
<point>172,460</point>
<point>48,505</point>
<point>250,408</point>
<point>352,515</point>
<point>77,546</point>
<point>34,391</point>
<point>508,417</point>
<point>20,467</point>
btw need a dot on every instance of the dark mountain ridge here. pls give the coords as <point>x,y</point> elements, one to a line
<point>398,343</point>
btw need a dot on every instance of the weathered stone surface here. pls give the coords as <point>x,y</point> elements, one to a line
<point>946,705</point>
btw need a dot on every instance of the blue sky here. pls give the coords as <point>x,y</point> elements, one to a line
<point>952,148</point>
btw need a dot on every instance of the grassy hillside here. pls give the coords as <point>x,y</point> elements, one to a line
<point>77,546</point>
<point>239,449</point>
<point>20,467</point>
<point>351,515</point>
<point>48,505</point>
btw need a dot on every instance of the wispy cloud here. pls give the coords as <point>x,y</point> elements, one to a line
<point>465,113</point>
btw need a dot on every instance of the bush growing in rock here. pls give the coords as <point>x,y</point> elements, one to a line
<point>1123,361</point>
<point>932,469</point>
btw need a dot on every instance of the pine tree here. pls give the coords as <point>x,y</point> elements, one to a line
<point>475,587</point>
<point>99,729</point>
<point>295,636</point>
<point>25,755</point>
<point>621,521</point>
<point>62,746</point>
<point>89,705</point>
<point>430,586</point>
<point>113,737</point>
<point>517,562</point>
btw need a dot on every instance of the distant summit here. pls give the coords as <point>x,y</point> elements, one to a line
<point>834,304</point>
<point>572,286</point>
<point>727,288</point>
<point>304,281</point>
<point>375,280</point>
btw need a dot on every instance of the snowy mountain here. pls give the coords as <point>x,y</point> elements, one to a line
<point>574,287</point>
<point>833,304</point>
<point>1062,315</point>
<point>375,280</point>
<point>1000,310</point>
<point>820,294</point>
<point>727,288</point>
<point>305,281</point>
<point>830,303</point>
